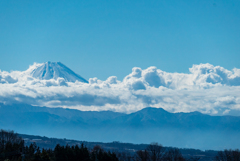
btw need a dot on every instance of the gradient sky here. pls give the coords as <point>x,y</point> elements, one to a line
<point>104,38</point>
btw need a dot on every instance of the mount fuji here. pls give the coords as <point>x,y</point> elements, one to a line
<point>54,70</point>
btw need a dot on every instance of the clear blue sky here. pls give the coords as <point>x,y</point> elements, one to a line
<point>104,38</point>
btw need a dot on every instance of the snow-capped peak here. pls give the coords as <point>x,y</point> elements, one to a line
<point>53,70</point>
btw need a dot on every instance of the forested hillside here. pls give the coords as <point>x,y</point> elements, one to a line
<point>33,147</point>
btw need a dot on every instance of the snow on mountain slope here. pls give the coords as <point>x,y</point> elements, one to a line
<point>53,70</point>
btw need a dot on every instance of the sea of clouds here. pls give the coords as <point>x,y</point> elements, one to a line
<point>206,88</point>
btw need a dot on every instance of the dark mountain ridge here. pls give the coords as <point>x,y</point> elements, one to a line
<point>187,130</point>
<point>128,149</point>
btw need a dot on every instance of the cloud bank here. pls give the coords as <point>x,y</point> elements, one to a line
<point>206,88</point>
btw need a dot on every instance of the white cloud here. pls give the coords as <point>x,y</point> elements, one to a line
<point>6,78</point>
<point>207,88</point>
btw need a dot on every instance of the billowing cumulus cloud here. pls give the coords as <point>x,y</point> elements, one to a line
<point>206,88</point>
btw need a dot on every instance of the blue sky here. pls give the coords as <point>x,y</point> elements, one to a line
<point>104,38</point>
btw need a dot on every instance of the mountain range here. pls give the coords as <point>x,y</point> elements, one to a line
<point>185,130</point>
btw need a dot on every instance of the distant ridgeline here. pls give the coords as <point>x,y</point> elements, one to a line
<point>183,130</point>
<point>30,148</point>
<point>16,147</point>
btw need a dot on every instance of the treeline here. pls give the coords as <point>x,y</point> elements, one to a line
<point>228,155</point>
<point>12,148</point>
<point>11,145</point>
